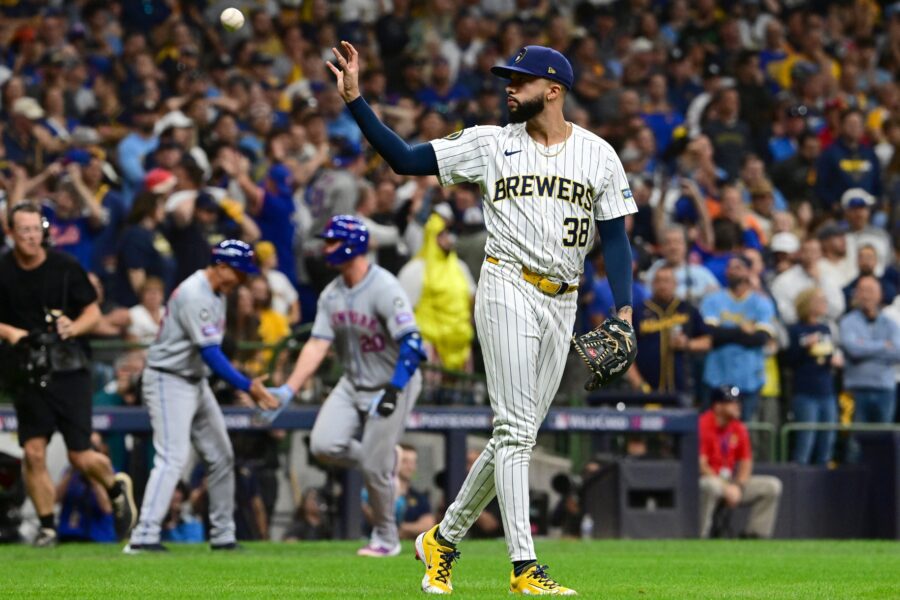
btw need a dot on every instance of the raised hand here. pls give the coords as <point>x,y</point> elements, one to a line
<point>347,75</point>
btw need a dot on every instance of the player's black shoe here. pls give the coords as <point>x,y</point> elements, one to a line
<point>145,549</point>
<point>124,509</point>
<point>46,538</point>
<point>227,547</point>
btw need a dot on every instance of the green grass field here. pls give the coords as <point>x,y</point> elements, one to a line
<point>607,569</point>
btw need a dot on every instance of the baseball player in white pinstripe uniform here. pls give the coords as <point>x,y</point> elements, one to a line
<point>545,182</point>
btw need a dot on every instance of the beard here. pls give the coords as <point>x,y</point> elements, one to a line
<point>523,111</point>
<point>733,281</point>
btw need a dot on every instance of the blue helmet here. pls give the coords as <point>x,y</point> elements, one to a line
<point>236,254</point>
<point>352,232</point>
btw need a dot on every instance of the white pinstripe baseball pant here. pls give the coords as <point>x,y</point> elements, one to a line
<point>525,336</point>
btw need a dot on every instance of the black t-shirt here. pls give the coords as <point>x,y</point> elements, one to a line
<point>26,297</point>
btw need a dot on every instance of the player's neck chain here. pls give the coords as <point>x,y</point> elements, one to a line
<point>562,144</point>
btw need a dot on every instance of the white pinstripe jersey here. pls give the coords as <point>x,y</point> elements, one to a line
<point>540,202</point>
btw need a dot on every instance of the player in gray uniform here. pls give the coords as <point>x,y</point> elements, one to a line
<point>182,407</point>
<point>548,186</point>
<point>367,317</point>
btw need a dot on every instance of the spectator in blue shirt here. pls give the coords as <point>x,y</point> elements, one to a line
<point>811,354</point>
<point>442,94</point>
<point>272,206</point>
<point>741,322</point>
<point>871,344</point>
<point>134,147</point>
<point>76,219</point>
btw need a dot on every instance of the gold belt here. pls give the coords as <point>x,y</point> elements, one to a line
<point>547,286</point>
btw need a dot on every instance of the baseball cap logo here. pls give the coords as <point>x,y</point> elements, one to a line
<point>551,70</point>
<point>520,55</point>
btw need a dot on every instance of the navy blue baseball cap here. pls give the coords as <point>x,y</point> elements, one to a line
<point>539,61</point>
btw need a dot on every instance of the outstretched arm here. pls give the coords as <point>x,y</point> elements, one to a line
<point>403,158</point>
<point>310,358</point>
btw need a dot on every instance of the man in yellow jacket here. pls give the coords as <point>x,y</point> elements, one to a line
<point>440,287</point>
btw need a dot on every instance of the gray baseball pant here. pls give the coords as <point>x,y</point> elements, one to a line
<point>333,441</point>
<point>183,412</point>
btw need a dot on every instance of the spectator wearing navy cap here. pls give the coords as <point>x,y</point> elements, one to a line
<point>726,467</point>
<point>847,163</point>
<point>75,217</point>
<point>858,204</point>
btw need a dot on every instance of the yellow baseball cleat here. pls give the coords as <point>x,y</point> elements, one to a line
<point>438,560</point>
<point>536,582</point>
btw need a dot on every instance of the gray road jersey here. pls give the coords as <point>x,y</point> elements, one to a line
<point>194,318</point>
<point>540,203</point>
<point>364,324</point>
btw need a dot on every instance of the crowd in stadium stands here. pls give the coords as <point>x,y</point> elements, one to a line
<point>760,138</point>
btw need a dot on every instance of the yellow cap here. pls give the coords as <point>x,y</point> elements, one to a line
<point>264,251</point>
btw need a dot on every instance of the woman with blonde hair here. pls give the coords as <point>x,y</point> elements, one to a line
<point>811,354</point>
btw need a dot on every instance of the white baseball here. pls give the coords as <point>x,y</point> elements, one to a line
<point>232,19</point>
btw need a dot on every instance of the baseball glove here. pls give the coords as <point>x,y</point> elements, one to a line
<point>608,351</point>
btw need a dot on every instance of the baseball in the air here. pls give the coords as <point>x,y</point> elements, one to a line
<point>232,19</point>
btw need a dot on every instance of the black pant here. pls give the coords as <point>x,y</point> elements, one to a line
<point>64,406</point>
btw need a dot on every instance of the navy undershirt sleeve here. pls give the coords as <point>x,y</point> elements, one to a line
<point>617,255</point>
<point>403,158</point>
<point>218,362</point>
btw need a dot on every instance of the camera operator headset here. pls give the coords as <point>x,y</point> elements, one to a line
<point>46,305</point>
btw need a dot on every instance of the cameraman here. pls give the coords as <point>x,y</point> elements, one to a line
<point>46,303</point>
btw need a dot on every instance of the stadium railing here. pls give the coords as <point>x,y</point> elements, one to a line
<point>771,434</point>
<point>789,428</point>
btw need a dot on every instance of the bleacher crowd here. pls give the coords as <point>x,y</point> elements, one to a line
<point>760,139</point>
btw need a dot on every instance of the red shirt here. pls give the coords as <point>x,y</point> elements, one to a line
<point>723,446</point>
